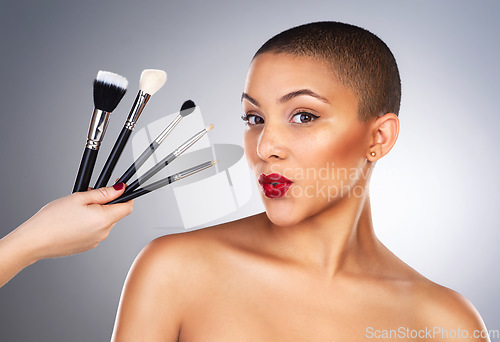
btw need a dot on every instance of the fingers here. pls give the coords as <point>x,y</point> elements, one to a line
<point>102,195</point>
<point>97,198</point>
<point>119,210</point>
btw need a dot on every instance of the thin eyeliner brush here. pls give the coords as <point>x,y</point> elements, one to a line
<point>151,81</point>
<point>187,108</point>
<point>168,159</point>
<point>163,182</point>
<point>109,89</point>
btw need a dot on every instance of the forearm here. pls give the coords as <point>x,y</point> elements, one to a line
<point>15,254</point>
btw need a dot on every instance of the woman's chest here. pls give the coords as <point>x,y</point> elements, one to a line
<point>290,311</point>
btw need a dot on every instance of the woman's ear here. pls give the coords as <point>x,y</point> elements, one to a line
<point>385,131</point>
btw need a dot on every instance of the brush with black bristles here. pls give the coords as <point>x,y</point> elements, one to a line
<point>109,89</point>
<point>151,81</point>
<point>163,182</point>
<point>168,159</point>
<point>187,108</point>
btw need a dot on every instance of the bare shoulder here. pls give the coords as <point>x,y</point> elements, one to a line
<point>164,281</point>
<point>450,312</point>
<point>187,256</point>
<point>423,303</point>
<point>183,247</point>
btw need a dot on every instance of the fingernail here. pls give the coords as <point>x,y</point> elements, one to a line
<point>119,186</point>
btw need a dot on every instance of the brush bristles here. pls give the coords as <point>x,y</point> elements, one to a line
<point>152,80</point>
<point>112,78</point>
<point>109,89</point>
<point>214,162</point>
<point>209,127</point>
<point>187,108</point>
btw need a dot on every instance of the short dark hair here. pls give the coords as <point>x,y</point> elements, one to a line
<point>358,58</point>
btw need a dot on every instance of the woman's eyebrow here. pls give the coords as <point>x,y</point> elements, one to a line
<point>300,92</point>
<point>287,97</point>
<point>250,99</point>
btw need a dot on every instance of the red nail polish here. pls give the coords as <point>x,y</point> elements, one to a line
<point>119,186</point>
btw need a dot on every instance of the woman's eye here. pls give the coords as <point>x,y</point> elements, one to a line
<point>303,117</point>
<point>252,119</point>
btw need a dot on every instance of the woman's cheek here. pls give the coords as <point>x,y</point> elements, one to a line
<point>250,147</point>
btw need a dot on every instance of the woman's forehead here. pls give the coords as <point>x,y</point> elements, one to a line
<point>283,76</point>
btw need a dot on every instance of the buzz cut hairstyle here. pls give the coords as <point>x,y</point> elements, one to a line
<point>358,59</point>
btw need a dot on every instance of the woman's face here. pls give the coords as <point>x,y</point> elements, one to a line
<point>304,141</point>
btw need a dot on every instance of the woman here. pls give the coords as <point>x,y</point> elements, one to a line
<point>321,102</point>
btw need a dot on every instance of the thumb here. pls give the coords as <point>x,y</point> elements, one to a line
<point>103,195</point>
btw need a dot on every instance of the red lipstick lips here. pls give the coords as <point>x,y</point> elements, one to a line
<point>274,185</point>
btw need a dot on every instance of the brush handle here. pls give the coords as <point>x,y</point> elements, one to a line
<point>117,150</point>
<point>162,182</point>
<point>138,163</point>
<point>139,192</point>
<point>127,197</point>
<point>85,171</point>
<point>151,172</point>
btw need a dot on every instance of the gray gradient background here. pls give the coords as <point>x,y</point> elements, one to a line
<point>435,197</point>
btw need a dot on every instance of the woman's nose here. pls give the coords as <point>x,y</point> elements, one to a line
<point>272,143</point>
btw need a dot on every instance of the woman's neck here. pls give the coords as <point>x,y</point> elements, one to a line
<point>337,238</point>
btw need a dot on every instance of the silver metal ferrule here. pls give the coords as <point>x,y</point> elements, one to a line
<point>97,128</point>
<point>177,152</point>
<point>192,170</point>
<point>140,102</point>
<point>168,129</point>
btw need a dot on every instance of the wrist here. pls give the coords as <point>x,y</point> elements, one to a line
<point>15,255</point>
<point>22,246</point>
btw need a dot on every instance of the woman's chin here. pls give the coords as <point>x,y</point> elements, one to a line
<point>286,212</point>
<point>283,211</point>
<point>282,219</point>
<point>283,215</point>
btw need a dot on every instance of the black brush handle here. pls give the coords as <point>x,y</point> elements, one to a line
<point>142,191</point>
<point>138,163</point>
<point>127,197</point>
<point>85,171</point>
<point>117,150</point>
<point>150,173</point>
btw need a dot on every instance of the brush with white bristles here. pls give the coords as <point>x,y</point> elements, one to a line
<point>151,81</point>
<point>109,89</point>
<point>168,159</point>
<point>127,196</point>
<point>187,108</point>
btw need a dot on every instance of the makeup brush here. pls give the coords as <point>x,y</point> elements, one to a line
<point>151,81</point>
<point>109,89</point>
<point>187,108</point>
<point>168,159</point>
<point>163,182</point>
